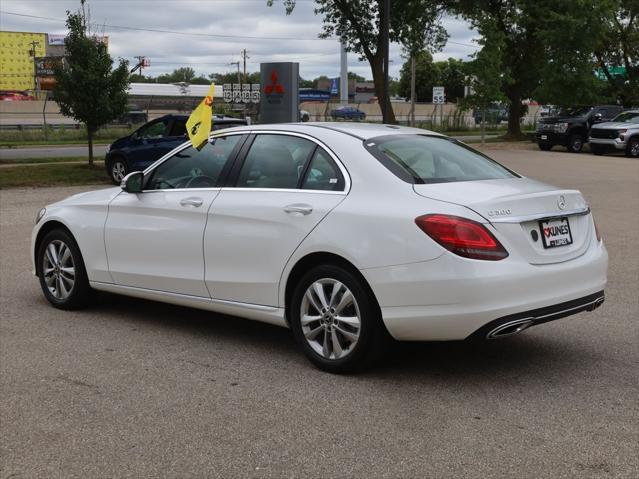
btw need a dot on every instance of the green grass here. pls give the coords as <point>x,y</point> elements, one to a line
<point>22,161</point>
<point>53,175</point>
<point>62,136</point>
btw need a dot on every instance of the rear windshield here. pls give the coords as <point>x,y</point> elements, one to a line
<point>430,159</point>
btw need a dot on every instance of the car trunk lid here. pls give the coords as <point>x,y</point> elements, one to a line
<point>525,213</point>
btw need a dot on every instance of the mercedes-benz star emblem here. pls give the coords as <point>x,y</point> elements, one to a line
<point>561,202</point>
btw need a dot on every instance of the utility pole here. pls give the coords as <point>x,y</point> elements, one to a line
<point>140,64</point>
<point>34,44</point>
<point>245,57</point>
<point>343,84</point>
<point>239,79</point>
<point>385,26</point>
<point>412,89</point>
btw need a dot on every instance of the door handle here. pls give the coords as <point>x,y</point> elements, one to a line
<point>191,201</point>
<point>298,208</point>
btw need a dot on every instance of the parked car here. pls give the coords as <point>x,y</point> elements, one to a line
<point>570,126</point>
<point>493,115</point>
<point>435,242</point>
<point>15,95</point>
<point>621,134</point>
<point>347,113</point>
<point>152,141</point>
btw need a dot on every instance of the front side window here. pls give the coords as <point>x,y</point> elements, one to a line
<point>275,161</point>
<point>431,159</point>
<point>191,168</point>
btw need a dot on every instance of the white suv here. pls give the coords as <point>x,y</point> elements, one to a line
<point>622,133</point>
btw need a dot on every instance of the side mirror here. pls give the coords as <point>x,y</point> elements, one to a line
<point>597,118</point>
<point>132,183</point>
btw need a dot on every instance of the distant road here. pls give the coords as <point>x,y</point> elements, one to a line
<point>53,151</point>
<point>62,151</point>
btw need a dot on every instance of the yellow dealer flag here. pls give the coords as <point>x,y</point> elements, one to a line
<point>198,125</point>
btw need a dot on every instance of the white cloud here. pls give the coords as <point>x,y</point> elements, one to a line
<point>220,17</point>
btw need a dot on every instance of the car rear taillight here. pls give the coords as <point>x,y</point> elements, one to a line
<point>462,236</point>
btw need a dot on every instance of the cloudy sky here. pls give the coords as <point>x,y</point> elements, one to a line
<point>212,33</point>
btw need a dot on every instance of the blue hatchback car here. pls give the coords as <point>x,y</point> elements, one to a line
<point>347,113</point>
<point>151,142</point>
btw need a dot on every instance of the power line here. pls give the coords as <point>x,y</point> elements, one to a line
<point>201,34</point>
<point>172,32</point>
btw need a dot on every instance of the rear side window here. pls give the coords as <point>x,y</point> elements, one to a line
<point>430,159</point>
<point>323,173</point>
<point>275,161</point>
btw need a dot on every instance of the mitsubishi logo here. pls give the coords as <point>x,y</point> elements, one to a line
<point>561,202</point>
<point>275,86</point>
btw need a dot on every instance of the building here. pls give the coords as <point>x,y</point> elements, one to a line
<point>17,65</point>
<point>27,59</point>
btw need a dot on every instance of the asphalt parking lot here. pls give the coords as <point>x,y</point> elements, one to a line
<point>131,388</point>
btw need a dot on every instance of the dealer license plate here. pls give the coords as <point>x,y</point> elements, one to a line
<point>555,232</point>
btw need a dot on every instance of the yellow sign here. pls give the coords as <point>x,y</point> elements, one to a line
<point>198,126</point>
<point>16,59</point>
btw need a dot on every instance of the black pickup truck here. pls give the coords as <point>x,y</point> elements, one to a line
<point>571,126</point>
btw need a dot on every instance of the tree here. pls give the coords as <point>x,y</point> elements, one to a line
<point>357,24</point>
<point>355,76</point>
<point>566,75</point>
<point>183,75</point>
<point>618,46</point>
<point>87,87</point>
<point>522,54</point>
<point>485,73</point>
<point>231,77</point>
<point>427,75</point>
<point>450,74</point>
<point>452,78</point>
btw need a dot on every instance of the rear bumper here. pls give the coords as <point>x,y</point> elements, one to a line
<point>450,298</point>
<point>611,143</point>
<point>515,323</point>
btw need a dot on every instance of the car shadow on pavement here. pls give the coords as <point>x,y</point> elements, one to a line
<point>518,356</point>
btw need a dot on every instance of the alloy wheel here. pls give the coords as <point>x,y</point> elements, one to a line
<point>118,171</point>
<point>58,269</point>
<point>330,318</point>
<point>634,148</point>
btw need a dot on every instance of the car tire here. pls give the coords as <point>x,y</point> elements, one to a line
<point>632,150</point>
<point>345,332</point>
<point>118,169</point>
<point>545,146</point>
<point>597,150</point>
<point>575,143</point>
<point>61,271</point>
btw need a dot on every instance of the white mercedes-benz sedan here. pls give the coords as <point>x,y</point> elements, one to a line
<point>349,234</point>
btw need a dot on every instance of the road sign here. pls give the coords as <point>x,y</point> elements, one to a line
<point>334,86</point>
<point>241,93</point>
<point>439,97</point>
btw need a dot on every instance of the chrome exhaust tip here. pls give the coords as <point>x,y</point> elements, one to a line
<point>510,329</point>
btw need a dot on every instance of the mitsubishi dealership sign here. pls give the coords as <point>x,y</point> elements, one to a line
<point>279,101</point>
